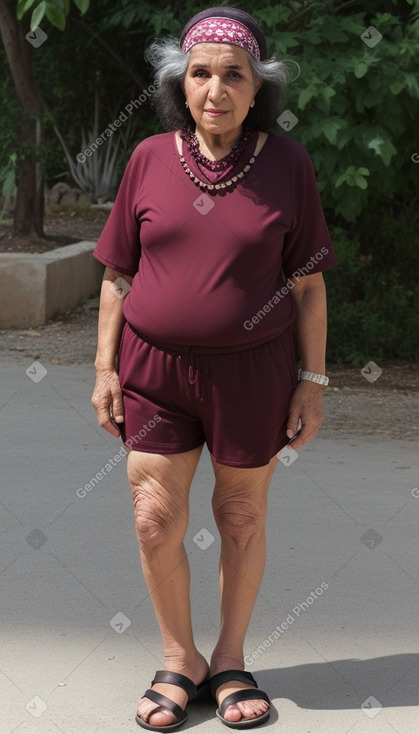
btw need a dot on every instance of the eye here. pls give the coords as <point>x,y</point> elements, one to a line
<point>200,73</point>
<point>235,74</point>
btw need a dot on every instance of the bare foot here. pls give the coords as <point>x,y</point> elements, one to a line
<point>197,672</point>
<point>243,710</point>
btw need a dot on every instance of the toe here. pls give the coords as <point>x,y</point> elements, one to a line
<point>148,712</point>
<point>162,718</point>
<point>232,713</point>
<point>253,708</point>
<point>246,710</point>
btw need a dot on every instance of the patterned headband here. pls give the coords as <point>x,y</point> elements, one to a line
<point>221,30</point>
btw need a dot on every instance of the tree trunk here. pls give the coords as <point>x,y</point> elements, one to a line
<point>29,211</point>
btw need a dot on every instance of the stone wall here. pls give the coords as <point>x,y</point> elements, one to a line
<point>34,288</point>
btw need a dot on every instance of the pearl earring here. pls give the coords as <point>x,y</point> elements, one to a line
<point>186,103</point>
<point>253,103</point>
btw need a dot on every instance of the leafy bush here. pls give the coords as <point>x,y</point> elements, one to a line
<point>356,105</point>
<point>373,295</point>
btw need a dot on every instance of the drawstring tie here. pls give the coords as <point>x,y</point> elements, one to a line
<point>194,375</point>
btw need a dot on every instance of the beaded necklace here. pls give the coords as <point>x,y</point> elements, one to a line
<point>221,166</point>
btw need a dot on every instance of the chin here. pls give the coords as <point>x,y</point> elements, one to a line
<point>220,125</point>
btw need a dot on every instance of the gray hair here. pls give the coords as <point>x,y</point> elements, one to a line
<point>170,66</point>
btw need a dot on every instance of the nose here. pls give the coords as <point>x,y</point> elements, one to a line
<point>216,89</point>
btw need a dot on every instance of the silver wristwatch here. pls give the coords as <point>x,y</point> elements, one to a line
<point>313,377</point>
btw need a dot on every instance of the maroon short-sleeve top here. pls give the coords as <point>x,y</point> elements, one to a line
<point>214,270</point>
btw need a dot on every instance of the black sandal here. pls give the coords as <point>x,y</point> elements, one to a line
<point>245,694</point>
<point>164,703</point>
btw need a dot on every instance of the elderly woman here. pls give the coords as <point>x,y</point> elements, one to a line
<point>214,252</point>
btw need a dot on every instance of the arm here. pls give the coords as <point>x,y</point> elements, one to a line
<point>309,293</point>
<point>107,392</point>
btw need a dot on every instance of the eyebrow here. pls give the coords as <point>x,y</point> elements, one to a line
<point>226,66</point>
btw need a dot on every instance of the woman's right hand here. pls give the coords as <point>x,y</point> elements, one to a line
<point>107,400</point>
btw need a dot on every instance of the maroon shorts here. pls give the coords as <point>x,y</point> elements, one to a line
<point>236,402</point>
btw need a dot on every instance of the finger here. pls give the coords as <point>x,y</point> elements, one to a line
<point>111,428</point>
<point>104,420</point>
<point>118,406</point>
<point>293,422</point>
<point>308,432</point>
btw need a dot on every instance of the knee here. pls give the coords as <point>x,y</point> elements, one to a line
<point>239,520</point>
<point>156,519</point>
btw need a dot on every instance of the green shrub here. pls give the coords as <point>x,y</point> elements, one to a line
<point>373,294</point>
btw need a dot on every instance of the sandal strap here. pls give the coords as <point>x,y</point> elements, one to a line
<point>227,675</point>
<point>165,703</point>
<point>176,679</point>
<point>248,694</point>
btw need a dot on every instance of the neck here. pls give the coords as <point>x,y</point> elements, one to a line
<point>214,145</point>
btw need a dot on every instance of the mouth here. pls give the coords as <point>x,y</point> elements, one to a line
<point>215,113</point>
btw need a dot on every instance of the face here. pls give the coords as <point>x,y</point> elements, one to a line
<point>219,86</point>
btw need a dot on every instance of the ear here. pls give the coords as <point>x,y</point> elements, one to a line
<point>258,85</point>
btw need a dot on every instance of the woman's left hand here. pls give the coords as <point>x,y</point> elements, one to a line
<point>306,406</point>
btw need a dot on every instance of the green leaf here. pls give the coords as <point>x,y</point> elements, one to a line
<point>344,137</point>
<point>412,85</point>
<point>361,182</point>
<point>9,183</point>
<point>37,15</point>
<point>55,15</point>
<point>376,143</point>
<point>286,40</point>
<point>325,95</point>
<point>397,87</point>
<point>82,5</point>
<point>353,177</point>
<point>129,17</point>
<point>361,69</point>
<point>330,127</point>
<point>384,148</point>
<point>340,180</point>
<point>22,7</point>
<point>306,95</point>
<point>348,208</point>
<point>312,37</point>
<point>336,35</point>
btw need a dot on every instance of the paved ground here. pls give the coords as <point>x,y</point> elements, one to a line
<point>334,638</point>
<point>387,407</point>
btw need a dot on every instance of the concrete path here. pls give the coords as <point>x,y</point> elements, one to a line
<point>334,637</point>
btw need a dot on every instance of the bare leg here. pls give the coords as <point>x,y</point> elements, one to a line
<point>160,488</point>
<point>240,507</point>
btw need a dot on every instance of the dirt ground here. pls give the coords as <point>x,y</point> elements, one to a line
<point>62,227</point>
<point>388,406</point>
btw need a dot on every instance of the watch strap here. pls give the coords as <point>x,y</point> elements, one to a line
<point>313,377</point>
